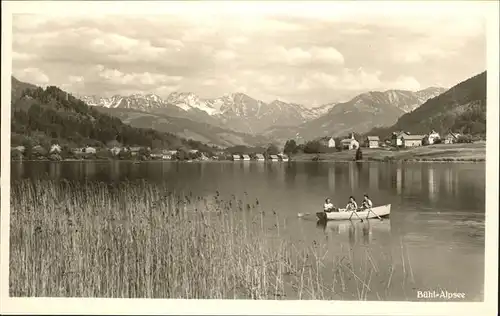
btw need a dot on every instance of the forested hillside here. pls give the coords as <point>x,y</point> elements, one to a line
<point>48,115</point>
<point>461,109</point>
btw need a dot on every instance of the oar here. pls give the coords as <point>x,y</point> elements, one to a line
<point>354,212</point>
<point>371,210</point>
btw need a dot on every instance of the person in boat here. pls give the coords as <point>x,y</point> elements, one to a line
<point>352,205</point>
<point>367,203</point>
<point>328,207</point>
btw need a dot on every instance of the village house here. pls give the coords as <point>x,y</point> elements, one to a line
<point>328,142</point>
<point>283,157</point>
<point>396,139</point>
<point>246,157</point>
<point>134,151</point>
<point>236,157</point>
<point>39,150</point>
<point>451,138</point>
<point>193,151</point>
<point>78,150</point>
<point>412,140</point>
<point>259,157</point>
<point>372,141</point>
<point>156,153</point>
<point>274,157</point>
<point>115,150</point>
<point>431,138</point>
<point>350,143</point>
<point>19,149</point>
<point>89,150</point>
<point>331,143</point>
<point>169,152</point>
<point>55,149</point>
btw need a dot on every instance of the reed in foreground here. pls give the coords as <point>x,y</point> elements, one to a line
<point>136,240</point>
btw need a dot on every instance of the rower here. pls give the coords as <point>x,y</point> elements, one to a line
<point>352,205</point>
<point>367,203</point>
<point>328,207</point>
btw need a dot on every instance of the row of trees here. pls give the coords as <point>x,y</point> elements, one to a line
<point>101,154</point>
<point>310,147</point>
<point>271,149</point>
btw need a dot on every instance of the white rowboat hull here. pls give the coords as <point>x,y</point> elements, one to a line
<point>383,210</point>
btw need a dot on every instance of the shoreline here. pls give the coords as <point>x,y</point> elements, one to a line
<point>425,160</point>
<point>436,160</point>
<point>449,153</point>
<point>445,153</point>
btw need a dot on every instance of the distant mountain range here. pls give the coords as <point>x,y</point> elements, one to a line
<point>243,114</point>
<point>359,114</point>
<point>186,128</point>
<point>460,109</point>
<point>237,111</point>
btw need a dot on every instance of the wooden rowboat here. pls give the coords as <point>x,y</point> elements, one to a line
<point>383,210</point>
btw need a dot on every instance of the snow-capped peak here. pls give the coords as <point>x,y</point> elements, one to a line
<point>189,101</point>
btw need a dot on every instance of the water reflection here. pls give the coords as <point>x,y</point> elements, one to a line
<point>433,184</point>
<point>373,176</point>
<point>413,179</point>
<point>115,171</point>
<point>290,173</point>
<point>357,231</point>
<point>331,178</point>
<point>399,178</point>
<point>301,185</point>
<point>448,181</point>
<point>353,176</point>
<point>55,170</point>
<point>18,169</point>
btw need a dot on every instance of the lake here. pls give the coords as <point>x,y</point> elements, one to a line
<point>433,240</point>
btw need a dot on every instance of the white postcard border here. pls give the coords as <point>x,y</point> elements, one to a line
<point>56,306</point>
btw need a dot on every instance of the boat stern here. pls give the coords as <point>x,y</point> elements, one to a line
<point>321,216</point>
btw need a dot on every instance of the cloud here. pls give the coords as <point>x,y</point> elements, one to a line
<point>302,56</point>
<point>22,56</point>
<point>225,55</point>
<point>146,78</point>
<point>76,79</point>
<point>406,83</point>
<point>298,56</point>
<point>32,75</point>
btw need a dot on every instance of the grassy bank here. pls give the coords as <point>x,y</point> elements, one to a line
<point>132,240</point>
<point>475,152</point>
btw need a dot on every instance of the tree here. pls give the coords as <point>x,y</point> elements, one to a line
<point>290,147</point>
<point>16,154</point>
<point>181,154</point>
<point>300,148</point>
<point>143,153</point>
<point>103,154</point>
<point>313,147</point>
<point>272,150</point>
<point>125,155</point>
<point>359,154</point>
<point>464,139</point>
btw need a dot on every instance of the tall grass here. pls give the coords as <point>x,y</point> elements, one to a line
<point>136,240</point>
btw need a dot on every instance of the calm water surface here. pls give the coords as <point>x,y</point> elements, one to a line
<point>435,234</point>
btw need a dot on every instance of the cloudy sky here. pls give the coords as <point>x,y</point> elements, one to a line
<point>303,56</point>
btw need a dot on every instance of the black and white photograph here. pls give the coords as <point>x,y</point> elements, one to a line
<point>294,153</point>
